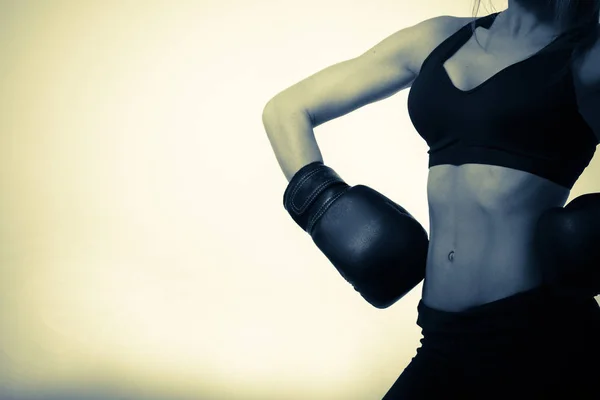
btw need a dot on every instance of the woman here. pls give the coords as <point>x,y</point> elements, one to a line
<point>509,105</point>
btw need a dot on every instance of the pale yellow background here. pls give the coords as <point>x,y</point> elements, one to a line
<point>145,251</point>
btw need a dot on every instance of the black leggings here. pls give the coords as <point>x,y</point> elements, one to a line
<point>532,345</point>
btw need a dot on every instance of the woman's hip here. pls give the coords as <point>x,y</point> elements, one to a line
<point>531,343</point>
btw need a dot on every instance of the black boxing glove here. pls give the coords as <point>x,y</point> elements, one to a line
<point>375,244</point>
<point>568,242</point>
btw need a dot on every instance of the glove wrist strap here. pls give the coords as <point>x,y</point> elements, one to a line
<point>310,192</point>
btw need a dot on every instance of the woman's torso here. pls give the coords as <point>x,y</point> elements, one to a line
<point>482,220</point>
<point>482,217</point>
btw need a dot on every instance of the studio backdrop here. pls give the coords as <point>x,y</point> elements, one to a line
<point>145,252</point>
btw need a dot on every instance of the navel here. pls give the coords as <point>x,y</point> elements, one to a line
<point>451,256</point>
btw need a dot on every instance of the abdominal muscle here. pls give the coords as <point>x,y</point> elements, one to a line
<point>482,220</point>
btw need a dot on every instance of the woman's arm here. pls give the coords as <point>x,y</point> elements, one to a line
<point>586,78</point>
<point>568,238</point>
<point>385,69</point>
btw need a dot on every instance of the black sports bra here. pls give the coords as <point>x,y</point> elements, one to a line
<point>525,117</point>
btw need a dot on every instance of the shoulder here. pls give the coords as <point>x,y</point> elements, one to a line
<point>586,67</point>
<point>444,23</point>
<point>430,33</point>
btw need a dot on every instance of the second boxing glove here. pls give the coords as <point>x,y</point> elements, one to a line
<point>567,240</point>
<point>375,244</point>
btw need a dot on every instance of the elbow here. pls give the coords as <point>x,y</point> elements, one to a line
<point>280,106</point>
<point>269,110</point>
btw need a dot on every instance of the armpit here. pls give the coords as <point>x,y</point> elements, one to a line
<point>589,108</point>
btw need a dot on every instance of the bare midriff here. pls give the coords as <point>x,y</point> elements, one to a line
<point>482,223</point>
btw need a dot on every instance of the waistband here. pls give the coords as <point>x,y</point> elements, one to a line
<point>539,307</point>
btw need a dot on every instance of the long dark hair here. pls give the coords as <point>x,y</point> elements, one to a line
<point>576,19</point>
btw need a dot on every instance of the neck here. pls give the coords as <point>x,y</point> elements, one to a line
<point>528,18</point>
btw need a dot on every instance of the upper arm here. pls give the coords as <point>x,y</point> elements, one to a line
<point>388,67</point>
<point>587,86</point>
